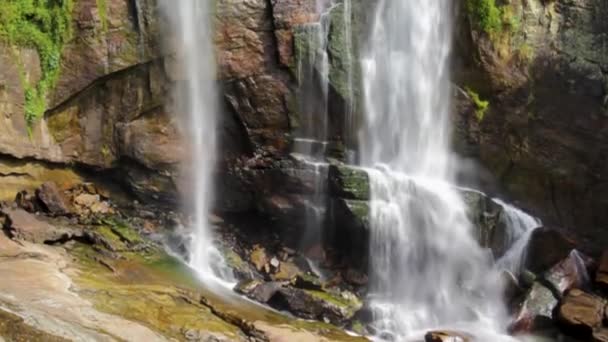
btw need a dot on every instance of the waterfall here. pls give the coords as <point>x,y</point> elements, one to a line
<point>311,142</point>
<point>196,100</point>
<point>426,269</point>
<point>520,227</point>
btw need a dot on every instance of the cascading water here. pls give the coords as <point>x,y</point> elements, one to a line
<point>196,98</point>
<point>311,143</point>
<point>426,269</point>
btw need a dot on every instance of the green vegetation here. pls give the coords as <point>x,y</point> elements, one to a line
<point>44,25</point>
<point>486,15</point>
<point>481,106</point>
<point>490,18</point>
<point>102,8</point>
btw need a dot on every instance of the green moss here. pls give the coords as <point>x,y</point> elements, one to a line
<point>44,25</point>
<point>102,8</point>
<point>124,231</point>
<point>481,106</point>
<point>485,15</point>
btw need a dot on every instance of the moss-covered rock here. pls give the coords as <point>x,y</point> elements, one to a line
<point>348,182</point>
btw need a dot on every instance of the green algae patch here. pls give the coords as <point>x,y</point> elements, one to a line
<point>345,301</point>
<point>481,106</point>
<point>145,292</point>
<point>143,283</point>
<point>44,25</point>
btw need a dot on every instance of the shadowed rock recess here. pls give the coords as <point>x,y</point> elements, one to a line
<point>91,179</point>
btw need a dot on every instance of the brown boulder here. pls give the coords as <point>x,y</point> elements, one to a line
<point>580,313</point>
<point>51,199</point>
<point>446,336</point>
<point>547,247</point>
<point>22,225</point>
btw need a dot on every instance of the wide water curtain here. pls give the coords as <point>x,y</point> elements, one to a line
<point>426,270</point>
<point>196,100</point>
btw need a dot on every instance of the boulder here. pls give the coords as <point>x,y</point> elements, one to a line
<point>287,271</point>
<point>348,182</point>
<point>51,199</point>
<point>446,336</point>
<point>546,248</point>
<point>568,274</point>
<point>580,313</point>
<point>336,308</point>
<point>258,290</point>
<point>259,258</point>
<point>536,313</point>
<point>22,225</point>
<point>601,277</point>
<point>486,215</point>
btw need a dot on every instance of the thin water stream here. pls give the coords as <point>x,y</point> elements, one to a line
<point>196,100</point>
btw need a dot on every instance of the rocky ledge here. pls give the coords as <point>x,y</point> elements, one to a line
<point>78,265</point>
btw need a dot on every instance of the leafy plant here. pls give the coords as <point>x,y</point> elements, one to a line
<point>481,106</point>
<point>485,15</point>
<point>44,25</point>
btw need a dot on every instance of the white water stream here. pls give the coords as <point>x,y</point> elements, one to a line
<point>196,100</point>
<point>426,269</point>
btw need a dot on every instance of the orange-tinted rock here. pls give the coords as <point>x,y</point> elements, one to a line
<point>580,312</point>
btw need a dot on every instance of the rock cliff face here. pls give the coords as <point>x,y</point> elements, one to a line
<point>543,70</point>
<point>541,65</point>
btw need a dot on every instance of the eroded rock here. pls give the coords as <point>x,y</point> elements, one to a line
<point>22,225</point>
<point>52,199</point>
<point>580,313</point>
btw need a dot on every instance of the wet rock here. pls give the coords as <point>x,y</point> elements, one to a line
<point>259,258</point>
<point>601,277</point>
<point>350,218</point>
<point>51,199</point>
<point>446,336</point>
<point>323,306</point>
<point>536,313</point>
<point>512,288</point>
<point>580,312</point>
<point>348,182</point>
<point>240,268</point>
<point>308,281</point>
<point>287,271</point>
<point>487,216</point>
<point>570,273</point>
<point>258,290</point>
<point>356,277</point>
<point>546,248</point>
<point>22,225</point>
